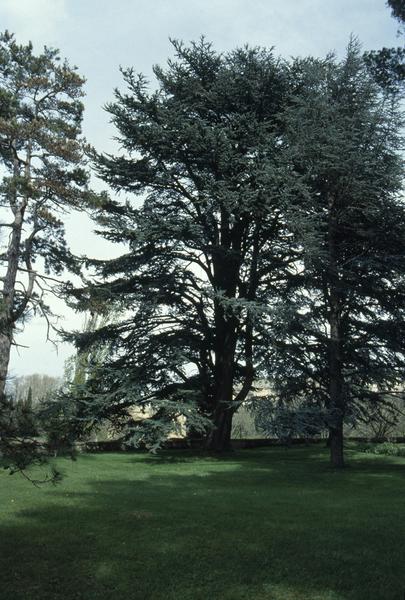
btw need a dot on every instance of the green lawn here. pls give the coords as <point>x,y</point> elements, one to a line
<point>258,524</point>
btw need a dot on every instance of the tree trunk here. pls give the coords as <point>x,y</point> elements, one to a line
<point>336,388</point>
<point>219,438</point>
<point>336,445</point>
<point>5,348</point>
<point>226,265</point>
<point>336,400</point>
<point>7,316</point>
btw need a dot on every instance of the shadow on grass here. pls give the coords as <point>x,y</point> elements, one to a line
<point>255,525</point>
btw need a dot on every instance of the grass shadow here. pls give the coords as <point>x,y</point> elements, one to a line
<point>255,525</point>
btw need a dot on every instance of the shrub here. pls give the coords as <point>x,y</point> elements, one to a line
<point>387,449</point>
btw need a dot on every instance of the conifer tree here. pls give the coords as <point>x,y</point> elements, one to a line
<point>206,238</point>
<point>43,177</point>
<point>340,336</point>
<point>41,154</point>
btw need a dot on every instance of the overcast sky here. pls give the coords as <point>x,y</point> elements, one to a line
<point>100,35</point>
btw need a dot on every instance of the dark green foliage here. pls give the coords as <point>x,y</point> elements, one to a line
<point>20,448</point>
<point>60,425</point>
<point>25,416</point>
<point>340,331</point>
<point>398,9</point>
<point>388,67</point>
<point>286,421</point>
<point>388,64</point>
<point>270,237</point>
<point>206,247</point>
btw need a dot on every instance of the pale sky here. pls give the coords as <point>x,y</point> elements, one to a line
<point>100,35</point>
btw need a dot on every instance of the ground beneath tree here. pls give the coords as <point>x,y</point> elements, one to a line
<point>268,524</point>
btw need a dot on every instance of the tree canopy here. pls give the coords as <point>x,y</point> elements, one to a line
<point>208,245</point>
<point>257,180</point>
<point>44,176</point>
<point>339,341</point>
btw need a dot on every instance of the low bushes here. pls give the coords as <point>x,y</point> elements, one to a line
<point>386,448</point>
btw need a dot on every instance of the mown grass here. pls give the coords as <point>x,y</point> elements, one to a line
<point>263,524</point>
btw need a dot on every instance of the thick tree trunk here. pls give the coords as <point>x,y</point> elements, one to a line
<point>336,446</point>
<point>336,404</point>
<point>226,262</point>
<point>336,388</point>
<point>219,438</point>
<point>336,400</point>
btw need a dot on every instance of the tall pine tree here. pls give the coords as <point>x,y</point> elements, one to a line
<point>43,177</point>
<point>41,154</point>
<point>341,333</point>
<point>206,245</point>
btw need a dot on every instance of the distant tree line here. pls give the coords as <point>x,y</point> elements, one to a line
<point>41,386</point>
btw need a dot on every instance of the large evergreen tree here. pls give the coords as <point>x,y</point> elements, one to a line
<point>340,338</point>
<point>43,176</point>
<point>206,244</point>
<point>41,154</point>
